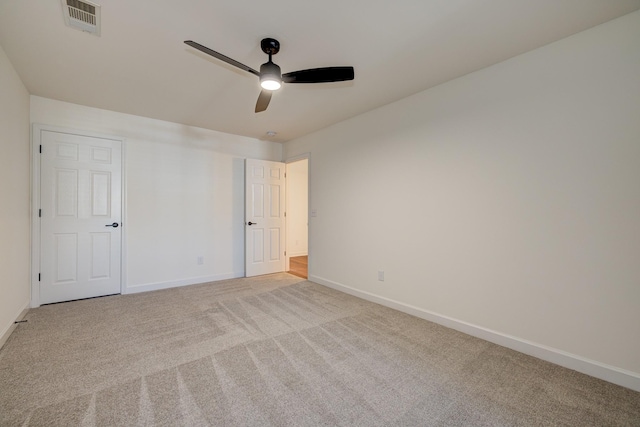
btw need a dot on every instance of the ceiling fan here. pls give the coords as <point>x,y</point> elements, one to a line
<point>271,78</point>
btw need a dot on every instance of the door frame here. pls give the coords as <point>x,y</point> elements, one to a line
<point>36,138</point>
<point>287,258</point>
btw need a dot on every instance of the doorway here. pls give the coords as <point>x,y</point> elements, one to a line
<point>297,224</point>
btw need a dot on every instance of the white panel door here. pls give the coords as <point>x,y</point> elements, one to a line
<point>80,227</point>
<point>264,217</point>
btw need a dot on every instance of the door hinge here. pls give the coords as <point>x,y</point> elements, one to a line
<point>39,213</point>
<point>41,149</point>
<point>285,253</point>
<point>38,277</point>
<point>285,214</point>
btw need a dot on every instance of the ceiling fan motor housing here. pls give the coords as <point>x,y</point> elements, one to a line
<point>270,69</point>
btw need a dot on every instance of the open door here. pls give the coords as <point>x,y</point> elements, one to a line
<point>264,217</point>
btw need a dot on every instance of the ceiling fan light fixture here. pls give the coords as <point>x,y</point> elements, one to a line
<point>270,76</point>
<point>270,84</point>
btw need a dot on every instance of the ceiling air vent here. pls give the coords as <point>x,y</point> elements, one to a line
<point>82,15</point>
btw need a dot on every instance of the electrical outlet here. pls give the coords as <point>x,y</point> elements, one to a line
<point>200,260</point>
<point>381,275</point>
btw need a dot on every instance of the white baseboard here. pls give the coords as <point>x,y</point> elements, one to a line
<point>294,254</point>
<point>177,283</point>
<point>4,336</point>
<point>592,368</point>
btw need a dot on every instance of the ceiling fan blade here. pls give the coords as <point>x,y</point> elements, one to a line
<point>263,100</point>
<point>221,57</point>
<point>319,75</point>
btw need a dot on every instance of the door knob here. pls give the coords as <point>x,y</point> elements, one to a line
<point>252,223</point>
<point>114,225</point>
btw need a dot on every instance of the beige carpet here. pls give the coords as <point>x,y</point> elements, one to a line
<point>278,350</point>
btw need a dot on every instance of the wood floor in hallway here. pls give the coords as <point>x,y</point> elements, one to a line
<point>298,266</point>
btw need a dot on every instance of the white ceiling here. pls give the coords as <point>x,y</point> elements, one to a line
<point>140,65</point>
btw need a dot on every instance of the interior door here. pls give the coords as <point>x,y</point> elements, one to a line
<point>80,224</point>
<point>264,217</point>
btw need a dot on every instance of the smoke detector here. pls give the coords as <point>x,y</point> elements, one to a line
<point>82,15</point>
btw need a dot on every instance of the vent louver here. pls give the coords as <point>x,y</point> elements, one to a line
<point>82,15</point>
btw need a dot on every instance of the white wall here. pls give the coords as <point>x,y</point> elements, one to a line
<point>184,193</point>
<point>506,201</point>
<point>297,207</point>
<point>14,197</point>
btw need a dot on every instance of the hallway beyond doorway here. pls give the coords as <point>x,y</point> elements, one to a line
<point>298,266</point>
